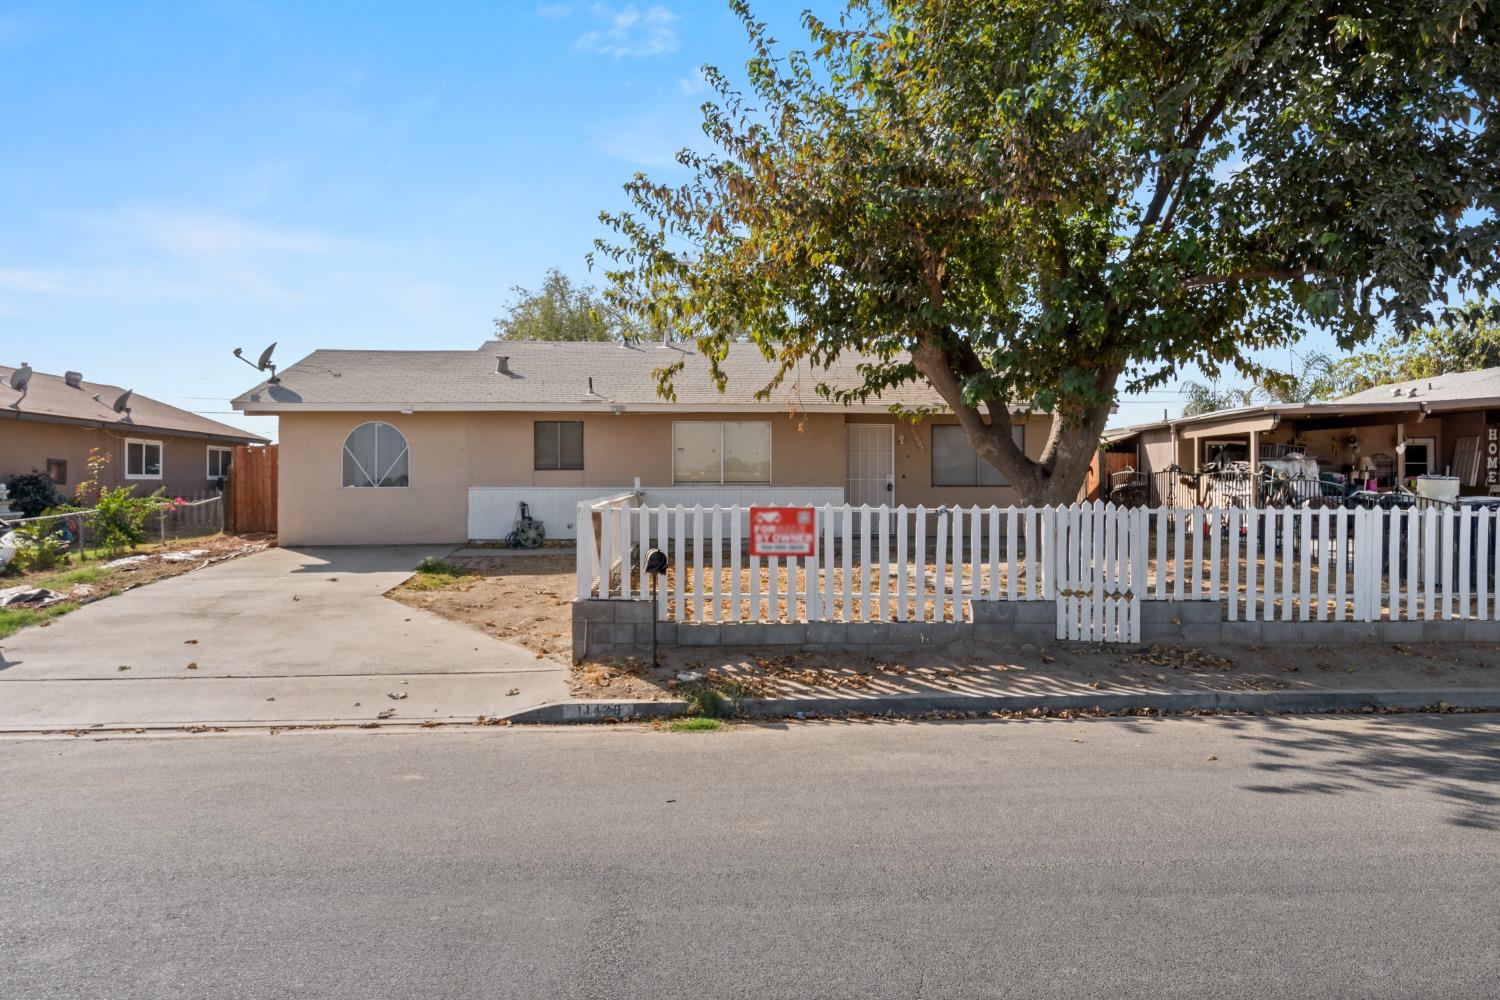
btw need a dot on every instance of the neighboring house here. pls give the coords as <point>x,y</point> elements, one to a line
<point>53,424</point>
<point>441,446</point>
<point>1448,424</point>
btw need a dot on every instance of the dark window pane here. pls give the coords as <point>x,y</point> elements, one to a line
<point>544,444</point>
<point>570,444</point>
<point>954,462</point>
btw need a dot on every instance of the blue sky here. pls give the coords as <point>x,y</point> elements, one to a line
<point>179,179</point>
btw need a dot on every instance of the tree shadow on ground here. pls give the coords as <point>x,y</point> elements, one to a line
<point>1455,757</point>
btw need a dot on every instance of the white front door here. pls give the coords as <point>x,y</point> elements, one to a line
<point>869,464</point>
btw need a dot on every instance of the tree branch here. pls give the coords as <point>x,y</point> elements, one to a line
<point>1249,274</point>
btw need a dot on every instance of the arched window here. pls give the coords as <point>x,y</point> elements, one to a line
<point>375,455</point>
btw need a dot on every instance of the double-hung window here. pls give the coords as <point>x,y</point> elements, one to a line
<point>142,459</point>
<point>956,463</point>
<point>557,444</point>
<point>722,452</point>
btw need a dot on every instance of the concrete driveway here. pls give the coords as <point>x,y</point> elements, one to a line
<point>282,636</point>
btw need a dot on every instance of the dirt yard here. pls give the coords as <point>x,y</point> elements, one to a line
<point>526,599</point>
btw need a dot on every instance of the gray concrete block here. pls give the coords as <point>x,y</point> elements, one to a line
<point>870,632</point>
<point>1481,631</point>
<point>743,634</point>
<point>692,634</point>
<point>1202,635</point>
<point>990,633</point>
<point>1400,631</point>
<point>616,634</point>
<point>666,633</point>
<point>786,634</point>
<point>827,633</point>
<point>992,612</point>
<point>905,633</point>
<point>1036,613</point>
<point>1241,631</point>
<point>633,612</point>
<point>596,611</point>
<point>643,635</point>
<point>1035,634</point>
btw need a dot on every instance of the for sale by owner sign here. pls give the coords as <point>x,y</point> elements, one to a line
<point>782,531</point>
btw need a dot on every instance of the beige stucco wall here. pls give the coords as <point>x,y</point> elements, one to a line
<point>449,452</point>
<point>914,464</point>
<point>28,444</point>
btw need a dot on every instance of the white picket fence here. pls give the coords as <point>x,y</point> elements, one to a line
<point>919,564</point>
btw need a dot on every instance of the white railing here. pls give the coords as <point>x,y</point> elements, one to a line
<point>918,564</point>
<point>604,542</point>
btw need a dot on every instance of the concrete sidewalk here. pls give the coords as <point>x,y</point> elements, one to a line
<point>282,636</point>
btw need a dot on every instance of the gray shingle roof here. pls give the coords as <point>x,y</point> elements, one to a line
<point>50,397</point>
<point>551,375</point>
<point>1460,386</point>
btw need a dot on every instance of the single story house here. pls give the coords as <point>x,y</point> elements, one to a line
<point>1378,438</point>
<point>52,423</point>
<point>442,446</point>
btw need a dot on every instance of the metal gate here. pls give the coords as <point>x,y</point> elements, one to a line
<point>1100,553</point>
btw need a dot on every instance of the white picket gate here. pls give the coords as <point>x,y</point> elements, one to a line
<point>1101,572</point>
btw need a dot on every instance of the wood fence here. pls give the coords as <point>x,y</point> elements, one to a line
<point>917,564</point>
<point>250,491</point>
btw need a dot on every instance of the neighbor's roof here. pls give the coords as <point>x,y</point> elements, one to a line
<point>49,398</point>
<point>555,376</point>
<point>1461,386</point>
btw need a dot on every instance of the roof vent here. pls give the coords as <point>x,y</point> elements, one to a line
<point>74,379</point>
<point>502,364</point>
<point>1396,391</point>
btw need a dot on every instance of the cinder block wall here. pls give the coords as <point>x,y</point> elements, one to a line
<point>623,628</point>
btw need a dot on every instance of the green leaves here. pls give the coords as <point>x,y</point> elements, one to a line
<point>1048,201</point>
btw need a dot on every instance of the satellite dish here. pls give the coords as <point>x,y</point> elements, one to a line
<point>122,404</point>
<point>20,377</point>
<point>263,364</point>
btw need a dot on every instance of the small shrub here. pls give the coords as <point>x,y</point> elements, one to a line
<point>712,701</point>
<point>40,546</point>
<point>32,492</point>
<point>119,521</point>
<point>439,567</point>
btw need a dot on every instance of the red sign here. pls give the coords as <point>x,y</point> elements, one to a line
<point>782,531</point>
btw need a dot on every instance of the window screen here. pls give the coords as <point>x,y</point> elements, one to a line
<point>375,454</point>
<point>956,463</point>
<point>697,452</point>
<point>747,452</point>
<point>558,444</point>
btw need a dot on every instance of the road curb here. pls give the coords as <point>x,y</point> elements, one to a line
<point>1251,702</point>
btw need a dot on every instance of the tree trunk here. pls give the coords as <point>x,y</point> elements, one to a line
<point>1058,476</point>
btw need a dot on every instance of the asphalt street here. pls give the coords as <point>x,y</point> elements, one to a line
<point>1218,857</point>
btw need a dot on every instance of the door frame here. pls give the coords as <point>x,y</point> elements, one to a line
<point>890,430</point>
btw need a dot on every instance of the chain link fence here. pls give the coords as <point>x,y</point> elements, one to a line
<point>176,519</point>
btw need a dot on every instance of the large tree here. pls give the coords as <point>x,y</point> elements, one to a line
<point>1464,339</point>
<point>1040,203</point>
<point>561,310</point>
